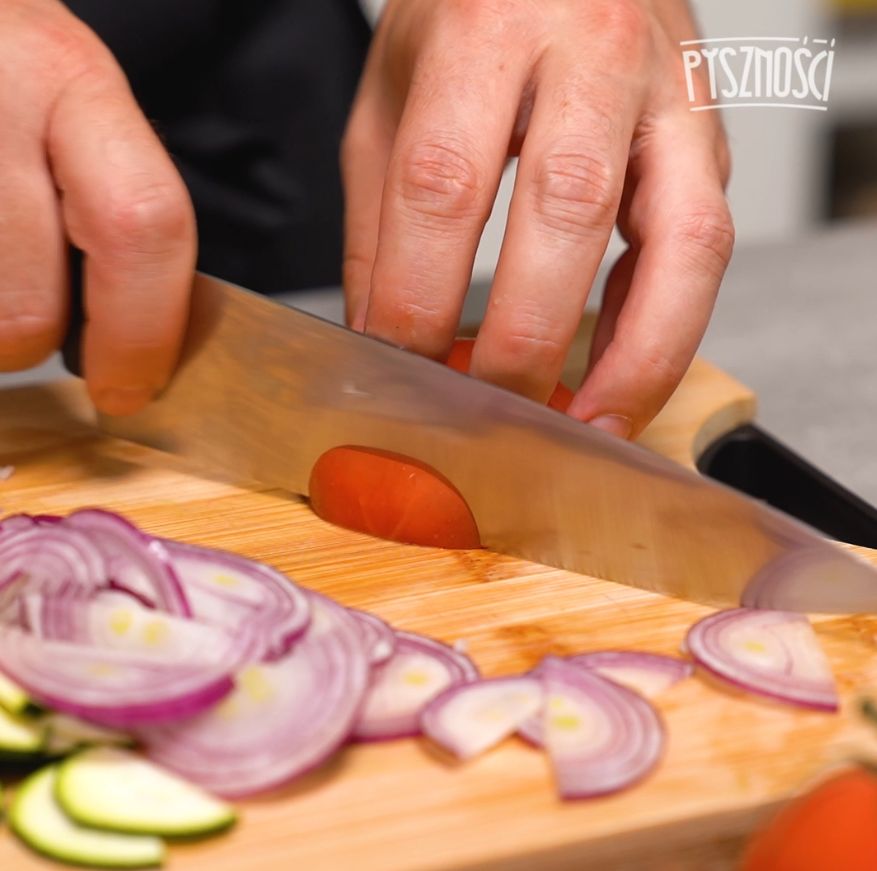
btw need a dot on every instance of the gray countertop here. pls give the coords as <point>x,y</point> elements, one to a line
<point>797,322</point>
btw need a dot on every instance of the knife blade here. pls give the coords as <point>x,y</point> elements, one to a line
<point>264,390</point>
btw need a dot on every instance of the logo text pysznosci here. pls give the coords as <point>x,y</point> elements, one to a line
<point>784,72</point>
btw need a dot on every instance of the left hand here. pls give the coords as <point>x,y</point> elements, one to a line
<point>591,95</point>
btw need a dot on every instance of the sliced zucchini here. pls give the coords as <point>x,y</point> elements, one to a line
<point>66,734</point>
<point>38,820</point>
<point>20,736</point>
<point>12,697</point>
<point>116,790</point>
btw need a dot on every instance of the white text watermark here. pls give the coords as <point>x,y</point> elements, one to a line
<point>786,72</point>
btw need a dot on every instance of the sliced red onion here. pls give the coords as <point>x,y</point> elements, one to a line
<point>772,653</point>
<point>284,717</point>
<point>378,637</point>
<point>134,561</point>
<point>229,591</point>
<point>16,522</point>
<point>796,581</point>
<point>52,558</point>
<point>113,593</point>
<point>416,673</point>
<point>126,625</point>
<point>649,674</point>
<point>601,737</point>
<point>111,687</point>
<point>470,718</point>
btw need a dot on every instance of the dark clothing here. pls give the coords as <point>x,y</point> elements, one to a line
<point>250,98</point>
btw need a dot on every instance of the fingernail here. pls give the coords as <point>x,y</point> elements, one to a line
<point>123,400</point>
<point>615,424</point>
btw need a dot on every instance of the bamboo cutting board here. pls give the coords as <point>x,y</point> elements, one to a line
<point>730,758</point>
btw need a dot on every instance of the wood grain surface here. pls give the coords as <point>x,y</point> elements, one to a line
<point>730,758</point>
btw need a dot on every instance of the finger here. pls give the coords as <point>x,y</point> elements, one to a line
<point>686,235</point>
<point>442,177</point>
<point>614,294</point>
<point>126,207</point>
<point>365,153</point>
<point>33,277</point>
<point>568,187</point>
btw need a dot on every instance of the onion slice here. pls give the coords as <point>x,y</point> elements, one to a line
<point>415,674</point>
<point>649,674</point>
<point>601,737</point>
<point>377,636</point>
<point>134,560</point>
<point>47,559</point>
<point>111,687</point>
<point>771,653</point>
<point>228,590</point>
<point>470,718</point>
<point>284,717</point>
<point>124,624</point>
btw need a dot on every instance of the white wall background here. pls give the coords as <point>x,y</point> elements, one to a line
<point>776,152</point>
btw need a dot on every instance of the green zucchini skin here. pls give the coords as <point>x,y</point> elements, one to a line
<point>14,699</point>
<point>21,737</point>
<point>39,822</point>
<point>115,790</point>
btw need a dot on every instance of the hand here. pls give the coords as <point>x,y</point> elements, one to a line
<point>79,162</point>
<point>591,95</point>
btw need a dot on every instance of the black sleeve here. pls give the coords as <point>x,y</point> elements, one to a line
<point>250,98</point>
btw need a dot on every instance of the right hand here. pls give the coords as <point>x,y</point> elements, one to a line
<point>80,164</point>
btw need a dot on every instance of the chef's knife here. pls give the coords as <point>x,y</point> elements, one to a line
<point>263,390</point>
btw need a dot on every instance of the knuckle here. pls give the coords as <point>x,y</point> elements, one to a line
<point>708,234</point>
<point>67,44</point>
<point>528,344</point>
<point>442,180</point>
<point>148,221</point>
<point>575,193</point>
<point>624,24</point>
<point>660,371</point>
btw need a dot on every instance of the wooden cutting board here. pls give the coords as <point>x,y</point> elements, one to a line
<point>729,761</point>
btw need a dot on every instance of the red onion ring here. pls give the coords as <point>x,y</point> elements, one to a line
<point>649,674</point>
<point>600,736</point>
<point>419,669</point>
<point>377,636</point>
<point>284,718</point>
<point>228,590</point>
<point>470,718</point>
<point>110,687</point>
<point>772,653</point>
<point>134,560</point>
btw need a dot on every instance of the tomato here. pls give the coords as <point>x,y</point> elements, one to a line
<point>391,496</point>
<point>396,497</point>
<point>832,828</point>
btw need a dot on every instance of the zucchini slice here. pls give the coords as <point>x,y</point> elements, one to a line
<point>113,789</point>
<point>36,818</point>
<point>12,697</point>
<point>19,736</point>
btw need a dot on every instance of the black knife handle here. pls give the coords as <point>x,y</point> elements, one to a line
<point>71,350</point>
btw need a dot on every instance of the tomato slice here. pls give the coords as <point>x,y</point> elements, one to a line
<point>396,497</point>
<point>832,827</point>
<point>391,496</point>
